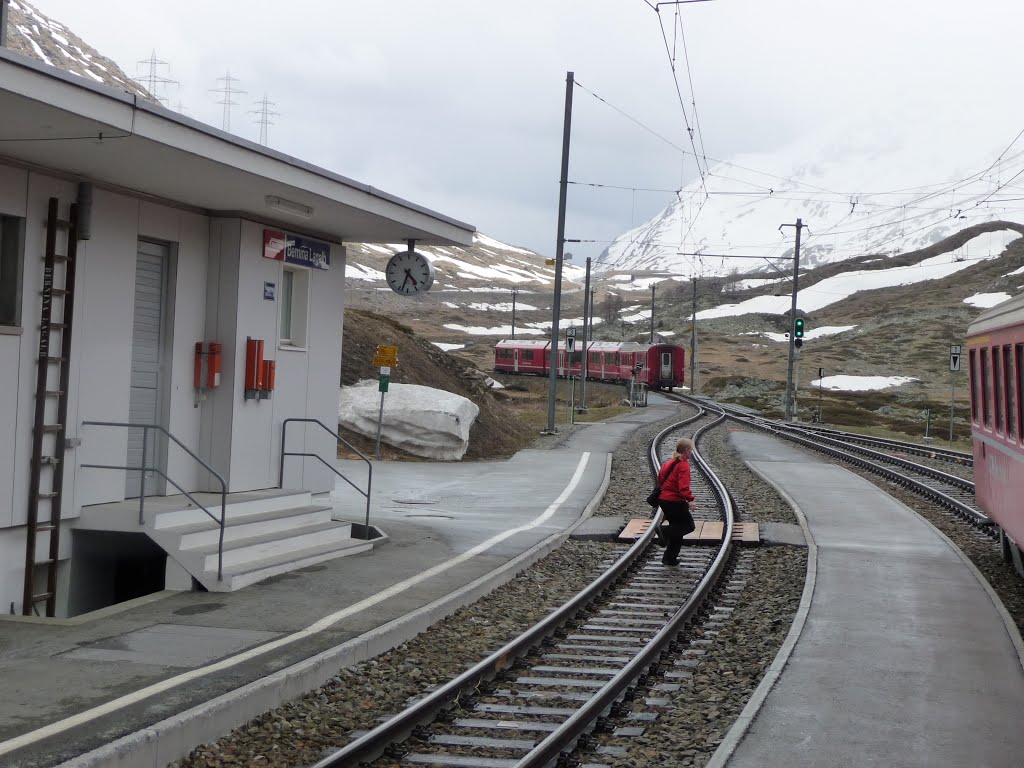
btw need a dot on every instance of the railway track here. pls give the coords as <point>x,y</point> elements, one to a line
<point>950,491</point>
<point>632,632</point>
<point>885,444</point>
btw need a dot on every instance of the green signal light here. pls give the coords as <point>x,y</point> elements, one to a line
<point>798,328</point>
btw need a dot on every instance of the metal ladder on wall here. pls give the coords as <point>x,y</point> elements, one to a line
<point>44,504</point>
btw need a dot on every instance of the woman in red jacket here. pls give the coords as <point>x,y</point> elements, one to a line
<point>676,499</point>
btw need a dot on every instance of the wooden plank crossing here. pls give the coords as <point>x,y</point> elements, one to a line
<point>706,532</point>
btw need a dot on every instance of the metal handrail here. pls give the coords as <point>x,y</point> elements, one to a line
<point>369,464</point>
<point>144,469</point>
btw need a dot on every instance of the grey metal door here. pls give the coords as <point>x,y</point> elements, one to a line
<point>144,403</point>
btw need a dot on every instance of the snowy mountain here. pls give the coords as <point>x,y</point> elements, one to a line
<point>33,34</point>
<point>861,190</point>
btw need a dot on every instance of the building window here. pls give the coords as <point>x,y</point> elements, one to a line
<point>12,258</point>
<point>294,305</point>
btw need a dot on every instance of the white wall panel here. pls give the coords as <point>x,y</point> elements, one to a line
<point>10,349</point>
<point>13,189</point>
<point>217,410</point>
<point>188,234</point>
<point>101,360</point>
<point>325,368</point>
<point>253,464</point>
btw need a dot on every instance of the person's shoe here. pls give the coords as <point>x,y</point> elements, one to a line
<point>673,561</point>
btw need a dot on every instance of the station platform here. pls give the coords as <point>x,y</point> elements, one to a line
<point>143,682</point>
<point>900,655</point>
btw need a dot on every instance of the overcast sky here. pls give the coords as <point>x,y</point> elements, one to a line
<point>458,104</point>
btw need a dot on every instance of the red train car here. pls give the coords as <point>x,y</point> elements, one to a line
<point>995,352</point>
<point>659,366</point>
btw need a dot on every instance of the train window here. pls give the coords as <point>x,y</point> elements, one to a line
<point>997,387</point>
<point>528,355</point>
<point>1011,393</point>
<point>975,389</point>
<point>986,391</point>
<point>1019,416</point>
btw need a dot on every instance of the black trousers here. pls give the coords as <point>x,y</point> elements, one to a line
<point>680,523</point>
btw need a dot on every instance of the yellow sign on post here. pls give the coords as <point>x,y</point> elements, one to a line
<point>386,357</point>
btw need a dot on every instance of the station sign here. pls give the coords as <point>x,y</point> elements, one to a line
<point>295,249</point>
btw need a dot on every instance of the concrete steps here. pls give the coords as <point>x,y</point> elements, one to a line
<point>265,534</point>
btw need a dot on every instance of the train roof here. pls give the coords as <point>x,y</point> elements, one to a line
<point>523,343</point>
<point>596,346</point>
<point>1010,312</point>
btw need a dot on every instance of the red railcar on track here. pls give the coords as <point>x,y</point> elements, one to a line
<point>995,351</point>
<point>659,366</point>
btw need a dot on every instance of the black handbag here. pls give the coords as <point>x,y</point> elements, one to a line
<point>655,496</point>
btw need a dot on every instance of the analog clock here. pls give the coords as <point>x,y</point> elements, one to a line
<point>409,272</point>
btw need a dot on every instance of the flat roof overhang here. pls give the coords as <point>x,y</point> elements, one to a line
<point>53,120</point>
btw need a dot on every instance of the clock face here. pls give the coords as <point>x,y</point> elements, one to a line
<point>409,272</point>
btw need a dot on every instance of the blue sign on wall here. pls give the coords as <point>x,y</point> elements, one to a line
<point>294,249</point>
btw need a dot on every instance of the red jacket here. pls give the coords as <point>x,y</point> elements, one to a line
<point>674,479</point>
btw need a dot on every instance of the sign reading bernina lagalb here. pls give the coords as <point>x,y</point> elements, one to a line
<point>295,249</point>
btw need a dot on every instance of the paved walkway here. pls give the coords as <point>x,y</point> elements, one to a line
<point>143,683</point>
<point>903,658</point>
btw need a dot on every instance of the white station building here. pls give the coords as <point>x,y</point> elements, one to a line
<point>164,234</point>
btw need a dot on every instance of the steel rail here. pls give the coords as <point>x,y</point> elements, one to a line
<point>935,474</point>
<point>947,454</point>
<point>955,505</point>
<point>583,720</point>
<point>374,743</point>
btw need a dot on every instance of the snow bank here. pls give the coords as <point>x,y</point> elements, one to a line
<point>421,420</point>
<point>861,383</point>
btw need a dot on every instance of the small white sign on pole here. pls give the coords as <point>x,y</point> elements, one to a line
<point>954,357</point>
<point>570,343</point>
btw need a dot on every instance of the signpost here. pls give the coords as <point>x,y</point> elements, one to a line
<point>386,358</point>
<point>821,376</point>
<point>954,368</point>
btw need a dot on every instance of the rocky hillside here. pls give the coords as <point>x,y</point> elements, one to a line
<point>33,34</point>
<point>497,430</point>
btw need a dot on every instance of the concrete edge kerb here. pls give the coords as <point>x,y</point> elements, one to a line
<point>746,718</point>
<point>1011,626</point>
<point>173,738</point>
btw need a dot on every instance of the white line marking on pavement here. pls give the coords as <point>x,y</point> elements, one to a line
<point>327,621</point>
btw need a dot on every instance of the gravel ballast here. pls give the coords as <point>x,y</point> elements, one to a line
<point>357,698</point>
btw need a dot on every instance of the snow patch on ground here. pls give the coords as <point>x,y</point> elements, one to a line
<point>987,300</point>
<point>814,333</point>
<point>446,347</point>
<point>861,383</point>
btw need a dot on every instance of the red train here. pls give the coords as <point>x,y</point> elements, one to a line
<point>995,352</point>
<point>659,366</point>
